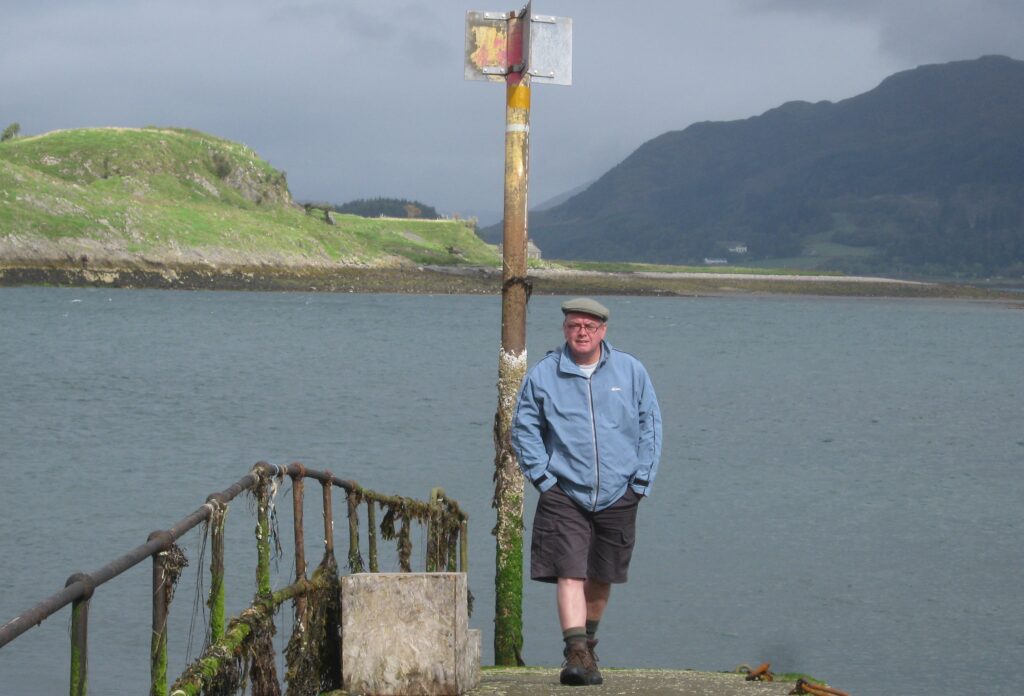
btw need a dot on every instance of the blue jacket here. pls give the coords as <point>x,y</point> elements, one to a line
<point>593,437</point>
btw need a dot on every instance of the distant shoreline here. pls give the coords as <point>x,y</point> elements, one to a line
<point>474,280</point>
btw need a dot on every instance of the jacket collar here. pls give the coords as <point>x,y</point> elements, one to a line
<point>566,364</point>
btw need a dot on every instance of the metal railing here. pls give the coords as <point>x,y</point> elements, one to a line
<point>240,650</point>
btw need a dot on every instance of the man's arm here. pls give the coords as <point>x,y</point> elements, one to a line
<point>649,450</point>
<point>528,428</point>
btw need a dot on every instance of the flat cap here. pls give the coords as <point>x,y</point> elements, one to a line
<point>585,305</point>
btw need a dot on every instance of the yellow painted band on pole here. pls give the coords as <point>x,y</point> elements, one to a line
<point>518,96</point>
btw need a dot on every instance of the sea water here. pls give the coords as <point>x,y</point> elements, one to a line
<point>839,492</point>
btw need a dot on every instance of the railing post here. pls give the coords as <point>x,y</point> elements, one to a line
<point>328,516</point>
<point>355,556</point>
<point>262,665</point>
<point>329,554</point>
<point>263,588</point>
<point>298,472</point>
<point>215,601</point>
<point>404,545</point>
<point>371,522</point>
<point>433,530</point>
<point>464,546</point>
<point>158,638</point>
<point>80,636</point>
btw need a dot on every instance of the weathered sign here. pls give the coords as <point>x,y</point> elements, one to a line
<point>546,46</point>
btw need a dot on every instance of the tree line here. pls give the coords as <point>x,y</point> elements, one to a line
<point>388,207</point>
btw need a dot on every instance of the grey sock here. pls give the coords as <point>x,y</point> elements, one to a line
<point>574,634</point>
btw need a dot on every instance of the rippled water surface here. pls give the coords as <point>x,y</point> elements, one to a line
<point>839,495</point>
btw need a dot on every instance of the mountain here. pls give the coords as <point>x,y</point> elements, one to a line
<point>924,173</point>
<point>562,197</point>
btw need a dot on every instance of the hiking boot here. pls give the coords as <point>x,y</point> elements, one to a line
<point>591,644</point>
<point>579,668</point>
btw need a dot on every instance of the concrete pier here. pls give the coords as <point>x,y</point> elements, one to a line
<point>543,681</point>
<point>539,681</point>
<point>407,634</point>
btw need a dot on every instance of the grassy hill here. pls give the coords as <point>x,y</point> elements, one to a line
<point>120,198</point>
<point>158,207</point>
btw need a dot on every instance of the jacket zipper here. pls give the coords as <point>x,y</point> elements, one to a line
<point>593,435</point>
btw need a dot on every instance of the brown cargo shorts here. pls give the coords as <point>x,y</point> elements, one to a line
<point>572,542</point>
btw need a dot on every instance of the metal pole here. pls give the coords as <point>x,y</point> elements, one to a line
<point>298,489</point>
<point>371,523</point>
<point>80,636</point>
<point>158,638</point>
<point>508,486</point>
<point>263,588</point>
<point>433,530</point>
<point>355,556</point>
<point>216,598</point>
<point>328,518</point>
<point>328,505</point>
<point>464,547</point>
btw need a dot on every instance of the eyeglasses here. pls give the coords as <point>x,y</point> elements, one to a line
<point>574,326</point>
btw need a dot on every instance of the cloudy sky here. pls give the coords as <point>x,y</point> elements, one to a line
<point>363,98</point>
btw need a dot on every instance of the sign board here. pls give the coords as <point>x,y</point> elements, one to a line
<point>549,49</point>
<point>487,46</point>
<point>547,46</point>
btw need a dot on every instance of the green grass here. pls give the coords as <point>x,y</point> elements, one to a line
<point>155,190</point>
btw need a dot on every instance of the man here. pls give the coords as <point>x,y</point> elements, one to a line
<point>587,432</point>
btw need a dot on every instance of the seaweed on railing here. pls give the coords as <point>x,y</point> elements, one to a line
<point>240,653</point>
<point>313,652</point>
<point>259,648</point>
<point>167,568</point>
<point>355,558</point>
<point>215,531</point>
<point>312,656</point>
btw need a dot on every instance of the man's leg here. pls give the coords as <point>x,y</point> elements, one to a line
<point>610,552</point>
<point>559,553</point>
<point>580,668</point>
<point>596,593</point>
<point>573,605</point>
<point>582,603</point>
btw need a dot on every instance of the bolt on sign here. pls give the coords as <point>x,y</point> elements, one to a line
<point>544,51</point>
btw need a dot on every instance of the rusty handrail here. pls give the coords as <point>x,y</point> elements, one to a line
<point>80,586</point>
<point>168,560</point>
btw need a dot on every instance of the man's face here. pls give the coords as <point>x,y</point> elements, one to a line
<point>584,333</point>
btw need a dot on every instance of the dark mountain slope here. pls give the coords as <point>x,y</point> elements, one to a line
<point>923,173</point>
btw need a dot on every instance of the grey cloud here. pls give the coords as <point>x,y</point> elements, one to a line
<point>358,98</point>
<point>922,30</point>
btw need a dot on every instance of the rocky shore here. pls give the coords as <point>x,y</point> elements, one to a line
<point>409,278</point>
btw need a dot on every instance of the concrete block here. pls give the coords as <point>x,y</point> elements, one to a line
<point>407,634</point>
